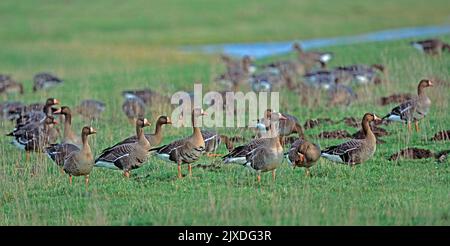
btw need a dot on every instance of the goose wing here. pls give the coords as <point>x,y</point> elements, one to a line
<point>343,152</point>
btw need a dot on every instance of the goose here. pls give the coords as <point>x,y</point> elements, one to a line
<point>311,58</point>
<point>90,109</point>
<point>68,136</point>
<point>80,162</point>
<point>36,113</point>
<point>303,154</point>
<point>236,75</point>
<point>361,73</point>
<point>147,95</point>
<point>213,140</point>
<point>8,85</point>
<point>355,151</point>
<point>341,95</point>
<point>322,79</point>
<point>261,154</point>
<point>33,136</point>
<point>412,110</point>
<point>186,150</point>
<point>154,139</point>
<point>127,156</point>
<point>431,46</point>
<point>133,108</point>
<point>9,109</point>
<point>288,126</point>
<point>44,81</point>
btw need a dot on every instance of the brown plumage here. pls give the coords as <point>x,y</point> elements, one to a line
<point>412,110</point>
<point>431,46</point>
<point>127,156</point>
<point>355,151</point>
<point>80,162</point>
<point>68,135</point>
<point>148,96</point>
<point>8,85</point>
<point>44,81</point>
<point>36,113</point>
<point>310,59</point>
<point>262,154</point>
<point>303,154</point>
<point>90,109</point>
<point>186,150</point>
<point>133,108</point>
<point>286,127</point>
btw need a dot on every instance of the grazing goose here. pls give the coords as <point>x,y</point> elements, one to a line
<point>312,58</point>
<point>412,110</point>
<point>133,108</point>
<point>303,154</point>
<point>287,127</point>
<point>341,95</point>
<point>261,154</point>
<point>213,140</point>
<point>34,136</point>
<point>148,96</point>
<point>355,151</point>
<point>127,156</point>
<point>36,113</point>
<point>186,150</point>
<point>431,46</point>
<point>361,74</point>
<point>9,109</point>
<point>68,135</point>
<point>80,162</point>
<point>236,75</point>
<point>154,139</point>
<point>8,85</point>
<point>322,79</point>
<point>90,109</point>
<point>44,81</point>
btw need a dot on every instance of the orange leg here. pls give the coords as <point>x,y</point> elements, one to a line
<point>27,156</point>
<point>190,170</point>
<point>409,126</point>
<point>86,179</point>
<point>259,178</point>
<point>126,174</point>
<point>416,124</point>
<point>70,179</point>
<point>179,170</point>
<point>213,155</point>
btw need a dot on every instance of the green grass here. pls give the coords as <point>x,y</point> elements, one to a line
<point>103,47</point>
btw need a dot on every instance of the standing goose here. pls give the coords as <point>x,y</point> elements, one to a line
<point>288,126</point>
<point>68,135</point>
<point>261,154</point>
<point>127,156</point>
<point>431,46</point>
<point>355,151</point>
<point>33,136</point>
<point>412,110</point>
<point>44,81</point>
<point>303,154</point>
<point>80,162</point>
<point>90,109</point>
<point>8,85</point>
<point>312,58</point>
<point>154,139</point>
<point>186,150</point>
<point>133,108</point>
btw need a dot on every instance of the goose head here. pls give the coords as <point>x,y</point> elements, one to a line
<point>88,130</point>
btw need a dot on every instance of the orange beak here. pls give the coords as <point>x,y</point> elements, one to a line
<point>430,83</point>
<point>55,101</point>
<point>169,120</point>
<point>58,111</point>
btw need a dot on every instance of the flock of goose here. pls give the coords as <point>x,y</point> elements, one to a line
<point>35,129</point>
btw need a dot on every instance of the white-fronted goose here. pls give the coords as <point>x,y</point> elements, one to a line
<point>44,81</point>
<point>80,162</point>
<point>412,110</point>
<point>262,154</point>
<point>154,139</point>
<point>133,108</point>
<point>341,95</point>
<point>287,127</point>
<point>321,79</point>
<point>127,156</point>
<point>303,154</point>
<point>355,151</point>
<point>68,135</point>
<point>213,140</point>
<point>148,96</point>
<point>10,110</point>
<point>34,137</point>
<point>311,58</point>
<point>90,109</point>
<point>236,75</point>
<point>186,150</point>
<point>36,113</point>
<point>8,85</point>
<point>431,46</point>
<point>361,73</point>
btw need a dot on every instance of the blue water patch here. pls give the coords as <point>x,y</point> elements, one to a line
<point>259,50</point>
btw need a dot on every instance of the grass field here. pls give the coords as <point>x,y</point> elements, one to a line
<point>103,47</point>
